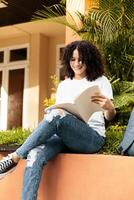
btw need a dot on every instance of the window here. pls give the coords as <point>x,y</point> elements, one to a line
<point>60,69</point>
<point>61,51</point>
<point>18,54</point>
<point>1,56</point>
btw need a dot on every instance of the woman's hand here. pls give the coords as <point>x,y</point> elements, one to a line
<point>106,104</point>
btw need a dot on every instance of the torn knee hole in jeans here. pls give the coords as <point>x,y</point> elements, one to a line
<point>55,112</point>
<point>32,156</point>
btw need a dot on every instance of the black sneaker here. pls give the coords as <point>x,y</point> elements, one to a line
<point>7,165</point>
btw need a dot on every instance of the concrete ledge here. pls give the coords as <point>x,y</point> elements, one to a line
<point>78,177</point>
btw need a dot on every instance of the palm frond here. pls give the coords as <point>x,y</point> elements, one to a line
<point>124,100</point>
<point>108,24</point>
<point>56,13</point>
<point>123,93</point>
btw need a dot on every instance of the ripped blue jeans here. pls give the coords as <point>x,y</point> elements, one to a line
<point>57,132</point>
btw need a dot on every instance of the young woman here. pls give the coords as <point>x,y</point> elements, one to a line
<point>60,130</point>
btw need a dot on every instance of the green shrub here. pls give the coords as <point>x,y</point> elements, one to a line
<point>114,135</point>
<point>50,101</point>
<point>14,137</point>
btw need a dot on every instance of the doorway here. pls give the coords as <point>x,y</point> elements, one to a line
<point>15,98</point>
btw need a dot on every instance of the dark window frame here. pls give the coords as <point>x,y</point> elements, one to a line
<point>1,56</point>
<point>21,52</point>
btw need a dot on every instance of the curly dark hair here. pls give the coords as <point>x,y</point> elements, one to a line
<point>90,56</point>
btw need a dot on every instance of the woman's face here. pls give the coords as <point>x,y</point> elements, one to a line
<point>78,68</point>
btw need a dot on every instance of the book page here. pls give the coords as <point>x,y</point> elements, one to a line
<point>82,107</point>
<point>70,107</point>
<point>84,104</point>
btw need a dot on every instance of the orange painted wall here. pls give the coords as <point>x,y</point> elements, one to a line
<point>78,177</point>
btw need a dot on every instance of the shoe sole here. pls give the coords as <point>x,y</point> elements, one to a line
<point>4,174</point>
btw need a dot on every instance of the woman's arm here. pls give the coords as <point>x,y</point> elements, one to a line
<point>110,112</point>
<point>106,104</point>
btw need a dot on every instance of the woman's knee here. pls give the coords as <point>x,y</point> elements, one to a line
<point>54,113</point>
<point>35,156</point>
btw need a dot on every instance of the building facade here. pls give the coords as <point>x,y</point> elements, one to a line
<point>29,55</point>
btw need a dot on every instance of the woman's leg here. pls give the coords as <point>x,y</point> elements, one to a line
<point>78,136</point>
<point>75,134</point>
<point>46,128</point>
<point>37,158</point>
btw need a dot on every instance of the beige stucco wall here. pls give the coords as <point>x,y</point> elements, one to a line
<point>14,41</point>
<point>42,65</point>
<point>43,73</point>
<point>47,66</point>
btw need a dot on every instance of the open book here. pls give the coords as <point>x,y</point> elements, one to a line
<point>82,106</point>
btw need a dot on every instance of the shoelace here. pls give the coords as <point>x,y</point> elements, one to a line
<point>5,163</point>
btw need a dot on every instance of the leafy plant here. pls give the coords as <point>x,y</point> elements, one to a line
<point>123,101</point>
<point>50,101</point>
<point>14,137</point>
<point>123,93</point>
<point>114,135</point>
<point>109,25</point>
